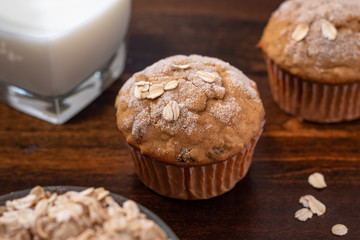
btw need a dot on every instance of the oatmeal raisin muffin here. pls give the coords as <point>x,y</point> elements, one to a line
<point>312,52</point>
<point>191,123</point>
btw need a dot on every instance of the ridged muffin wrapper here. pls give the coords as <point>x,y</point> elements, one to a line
<point>311,101</point>
<point>197,182</point>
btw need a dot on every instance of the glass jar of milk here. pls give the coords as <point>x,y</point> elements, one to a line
<point>57,56</point>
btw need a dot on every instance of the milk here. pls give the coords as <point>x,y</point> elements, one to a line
<point>47,47</point>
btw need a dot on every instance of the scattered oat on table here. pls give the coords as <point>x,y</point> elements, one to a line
<point>315,205</point>
<point>303,214</point>
<point>303,201</point>
<point>339,230</point>
<point>317,180</point>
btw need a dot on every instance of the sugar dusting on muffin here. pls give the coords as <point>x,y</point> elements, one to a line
<point>317,40</point>
<point>199,105</point>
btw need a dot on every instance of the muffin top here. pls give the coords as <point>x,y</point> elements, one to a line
<point>189,110</point>
<point>316,40</point>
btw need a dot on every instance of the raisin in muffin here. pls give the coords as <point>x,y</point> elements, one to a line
<point>312,52</point>
<point>191,123</point>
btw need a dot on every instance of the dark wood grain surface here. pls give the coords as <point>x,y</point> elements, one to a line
<point>88,150</point>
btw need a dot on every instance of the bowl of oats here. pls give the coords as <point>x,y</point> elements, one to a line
<point>77,213</point>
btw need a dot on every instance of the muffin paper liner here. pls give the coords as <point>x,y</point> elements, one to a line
<point>316,102</point>
<point>198,182</point>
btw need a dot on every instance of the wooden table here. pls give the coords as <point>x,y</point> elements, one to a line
<point>88,150</point>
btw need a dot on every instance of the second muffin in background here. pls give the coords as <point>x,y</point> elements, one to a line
<point>192,123</point>
<point>312,52</point>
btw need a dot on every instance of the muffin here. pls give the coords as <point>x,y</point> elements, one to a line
<point>312,53</point>
<point>191,123</point>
